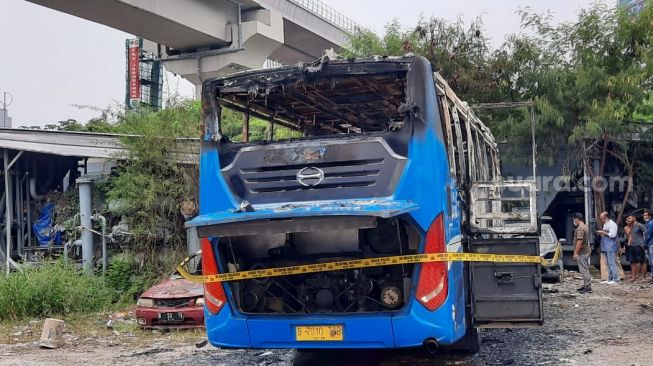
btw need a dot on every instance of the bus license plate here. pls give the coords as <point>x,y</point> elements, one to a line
<point>319,333</point>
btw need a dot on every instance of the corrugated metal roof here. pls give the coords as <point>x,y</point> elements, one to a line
<point>81,144</point>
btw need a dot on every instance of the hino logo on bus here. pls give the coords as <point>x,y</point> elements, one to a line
<point>310,176</point>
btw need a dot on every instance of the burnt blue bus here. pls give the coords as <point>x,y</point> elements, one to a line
<point>348,159</point>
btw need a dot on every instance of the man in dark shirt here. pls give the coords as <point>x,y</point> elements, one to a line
<point>636,247</point>
<point>582,251</point>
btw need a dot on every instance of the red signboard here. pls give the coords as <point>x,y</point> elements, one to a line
<point>134,77</point>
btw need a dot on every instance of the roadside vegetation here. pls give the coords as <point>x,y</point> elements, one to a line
<point>52,289</point>
<point>145,193</point>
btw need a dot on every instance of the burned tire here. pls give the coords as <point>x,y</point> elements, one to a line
<point>561,265</point>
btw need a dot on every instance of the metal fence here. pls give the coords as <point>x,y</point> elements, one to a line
<point>329,14</point>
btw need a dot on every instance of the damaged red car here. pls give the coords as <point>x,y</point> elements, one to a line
<point>173,303</point>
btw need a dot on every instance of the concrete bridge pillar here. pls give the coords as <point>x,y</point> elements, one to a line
<point>262,33</point>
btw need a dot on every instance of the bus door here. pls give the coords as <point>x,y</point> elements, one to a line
<point>503,220</point>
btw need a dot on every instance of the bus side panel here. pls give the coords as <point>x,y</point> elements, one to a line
<point>506,294</point>
<point>214,194</point>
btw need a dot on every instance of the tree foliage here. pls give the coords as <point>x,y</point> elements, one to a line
<point>460,53</point>
<point>587,77</point>
<point>231,124</point>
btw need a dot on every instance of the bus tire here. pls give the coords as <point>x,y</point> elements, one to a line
<point>561,266</point>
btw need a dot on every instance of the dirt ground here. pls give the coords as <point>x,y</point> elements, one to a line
<point>612,326</point>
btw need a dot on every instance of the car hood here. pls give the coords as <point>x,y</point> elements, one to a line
<point>174,289</point>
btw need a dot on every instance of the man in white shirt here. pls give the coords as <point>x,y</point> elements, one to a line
<point>610,247</point>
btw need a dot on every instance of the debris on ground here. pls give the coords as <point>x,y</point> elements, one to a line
<point>579,329</point>
<point>201,343</point>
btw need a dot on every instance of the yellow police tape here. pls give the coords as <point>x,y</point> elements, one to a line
<point>363,263</point>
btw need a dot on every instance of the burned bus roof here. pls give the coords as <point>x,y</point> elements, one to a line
<point>318,69</point>
<point>363,94</point>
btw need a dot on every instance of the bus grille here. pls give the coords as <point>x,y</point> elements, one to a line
<point>285,172</point>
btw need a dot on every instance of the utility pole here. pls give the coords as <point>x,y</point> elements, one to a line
<point>4,100</point>
<point>6,122</point>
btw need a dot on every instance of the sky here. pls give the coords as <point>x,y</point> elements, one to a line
<point>52,63</point>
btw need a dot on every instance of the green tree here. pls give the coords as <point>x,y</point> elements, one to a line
<point>460,53</point>
<point>231,124</point>
<point>595,79</point>
<point>65,125</point>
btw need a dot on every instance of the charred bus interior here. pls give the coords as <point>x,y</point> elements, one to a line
<point>297,241</point>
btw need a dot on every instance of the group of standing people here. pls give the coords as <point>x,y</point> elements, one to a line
<point>639,241</point>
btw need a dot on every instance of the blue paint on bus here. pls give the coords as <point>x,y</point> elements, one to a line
<point>420,195</point>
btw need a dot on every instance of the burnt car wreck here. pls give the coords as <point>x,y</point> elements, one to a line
<point>350,140</point>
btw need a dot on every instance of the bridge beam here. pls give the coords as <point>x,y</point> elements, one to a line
<point>200,39</point>
<point>262,32</point>
<point>176,24</point>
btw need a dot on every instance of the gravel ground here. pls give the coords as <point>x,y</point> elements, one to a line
<point>612,326</point>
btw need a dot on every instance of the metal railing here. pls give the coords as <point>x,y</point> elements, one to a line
<point>329,14</point>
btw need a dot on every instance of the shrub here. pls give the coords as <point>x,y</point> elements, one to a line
<point>152,184</point>
<point>119,274</point>
<point>128,280</point>
<point>52,289</point>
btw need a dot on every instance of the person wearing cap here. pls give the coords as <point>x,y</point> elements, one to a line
<point>582,251</point>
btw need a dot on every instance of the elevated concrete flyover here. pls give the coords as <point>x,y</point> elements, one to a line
<point>199,39</point>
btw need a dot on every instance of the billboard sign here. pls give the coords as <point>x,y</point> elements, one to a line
<point>133,72</point>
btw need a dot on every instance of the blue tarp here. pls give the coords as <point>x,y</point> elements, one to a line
<point>43,227</point>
